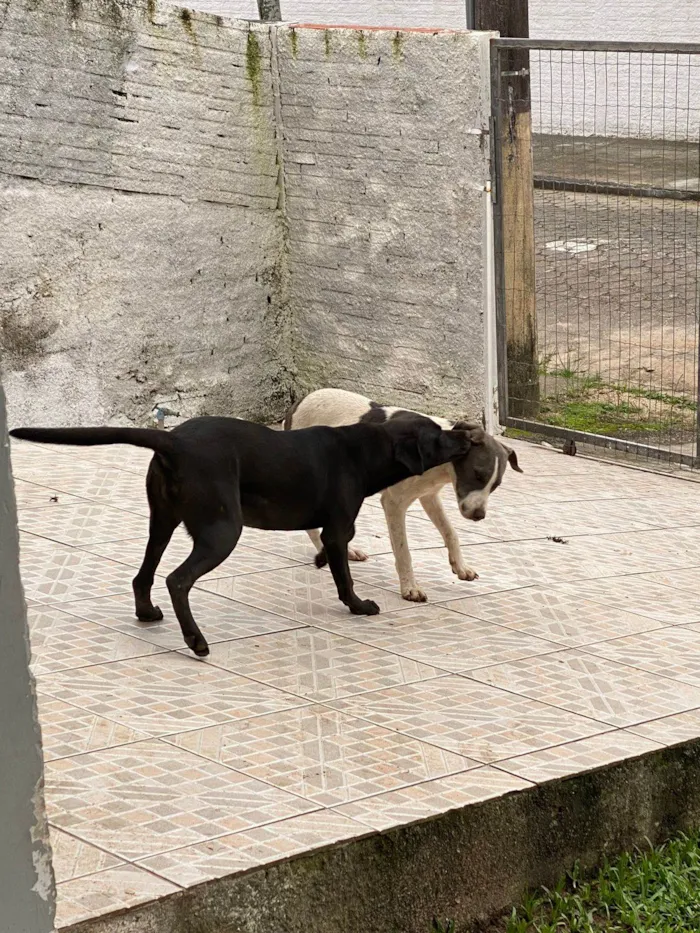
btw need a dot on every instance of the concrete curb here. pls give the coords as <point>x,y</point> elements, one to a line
<point>468,864</point>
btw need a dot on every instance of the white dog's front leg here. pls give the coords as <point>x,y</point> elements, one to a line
<point>436,514</point>
<point>395,513</point>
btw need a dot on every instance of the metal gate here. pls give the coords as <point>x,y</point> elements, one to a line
<point>596,184</point>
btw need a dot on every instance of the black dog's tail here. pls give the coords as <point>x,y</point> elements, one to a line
<point>158,441</point>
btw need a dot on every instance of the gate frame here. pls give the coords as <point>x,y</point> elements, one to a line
<point>497,46</point>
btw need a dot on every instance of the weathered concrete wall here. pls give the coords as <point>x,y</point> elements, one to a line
<point>138,214</point>
<point>27,891</point>
<point>385,167</point>
<point>220,215</point>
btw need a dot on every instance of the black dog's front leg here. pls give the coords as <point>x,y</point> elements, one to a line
<point>336,549</point>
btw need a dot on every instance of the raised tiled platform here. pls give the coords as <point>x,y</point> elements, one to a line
<point>307,726</point>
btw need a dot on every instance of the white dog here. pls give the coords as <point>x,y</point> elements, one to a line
<point>474,477</point>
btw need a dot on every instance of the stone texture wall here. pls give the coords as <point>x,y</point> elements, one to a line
<point>138,213</point>
<point>385,168</point>
<point>219,215</point>
<point>27,889</point>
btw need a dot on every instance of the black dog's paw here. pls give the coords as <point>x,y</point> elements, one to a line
<point>198,645</point>
<point>365,607</point>
<point>153,614</point>
<point>320,559</point>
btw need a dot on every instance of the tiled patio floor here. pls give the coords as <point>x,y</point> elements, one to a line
<point>307,725</point>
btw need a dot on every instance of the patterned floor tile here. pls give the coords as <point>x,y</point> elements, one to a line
<point>449,640</point>
<point>608,484</point>
<point>60,642</point>
<point>665,548</point>
<point>221,619</point>
<point>294,545</point>
<point>33,496</point>
<point>73,858</point>
<point>108,892</point>
<point>243,560</point>
<point>553,615</point>
<point>317,665</point>
<point>303,593</point>
<point>240,851</point>
<point>509,520</point>
<point>83,524</point>
<point>642,595</point>
<point>387,748</point>
<point>115,457</point>
<point>434,575</point>
<point>373,537</point>
<point>142,799</point>
<point>682,727</point>
<point>678,579</point>
<point>421,801</point>
<point>527,563</point>
<point>604,690</point>
<point>54,573</point>
<point>470,718</point>
<point>577,757</point>
<point>673,651</point>
<point>69,731</point>
<point>322,755</point>
<point>164,694</point>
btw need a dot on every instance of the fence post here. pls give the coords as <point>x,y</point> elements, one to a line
<point>269,11</point>
<point>516,195</point>
<point>516,225</point>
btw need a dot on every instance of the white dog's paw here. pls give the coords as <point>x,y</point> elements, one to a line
<point>354,553</point>
<point>464,573</point>
<point>414,594</point>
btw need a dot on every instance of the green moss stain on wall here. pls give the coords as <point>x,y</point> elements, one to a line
<point>253,66</point>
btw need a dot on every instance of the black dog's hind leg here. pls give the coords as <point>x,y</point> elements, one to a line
<point>212,545</point>
<point>335,545</point>
<point>160,532</point>
<point>163,522</point>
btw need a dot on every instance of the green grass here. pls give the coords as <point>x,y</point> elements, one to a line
<point>675,401</point>
<point>656,891</point>
<point>598,417</point>
<point>651,891</point>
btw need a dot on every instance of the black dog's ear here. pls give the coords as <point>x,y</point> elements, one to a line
<point>461,439</point>
<point>512,458</point>
<point>476,433</point>
<point>409,454</point>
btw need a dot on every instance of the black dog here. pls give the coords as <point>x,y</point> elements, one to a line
<point>218,474</point>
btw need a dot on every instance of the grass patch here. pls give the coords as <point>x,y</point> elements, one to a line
<point>584,402</point>
<point>654,395</point>
<point>652,891</point>
<point>657,891</point>
<point>599,417</point>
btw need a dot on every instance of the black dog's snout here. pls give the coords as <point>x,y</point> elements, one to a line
<point>477,515</point>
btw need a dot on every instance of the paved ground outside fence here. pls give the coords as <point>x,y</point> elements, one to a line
<point>308,726</point>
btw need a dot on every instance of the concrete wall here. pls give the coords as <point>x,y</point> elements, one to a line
<point>27,890</point>
<point>218,216</point>
<point>385,169</point>
<point>643,101</point>
<point>138,213</point>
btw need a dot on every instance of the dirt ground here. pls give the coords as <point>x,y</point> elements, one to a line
<point>618,297</point>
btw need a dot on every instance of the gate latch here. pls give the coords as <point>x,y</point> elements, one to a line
<point>523,73</point>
